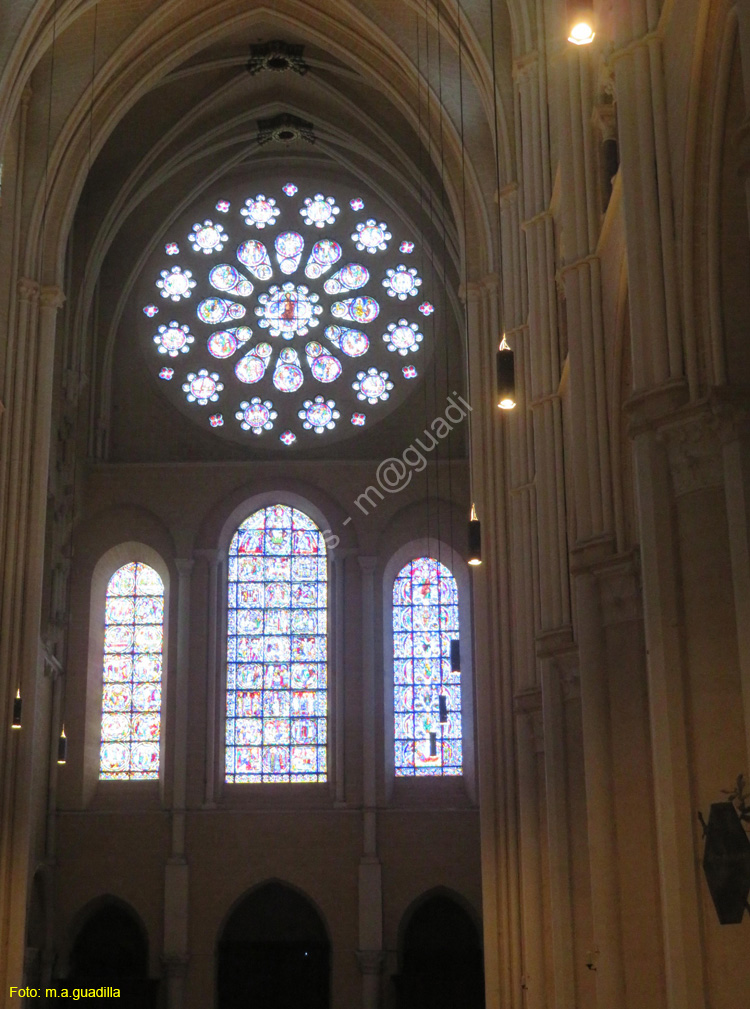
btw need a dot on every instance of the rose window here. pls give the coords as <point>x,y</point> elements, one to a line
<point>294,331</point>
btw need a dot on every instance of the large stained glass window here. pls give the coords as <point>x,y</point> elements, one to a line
<point>277,649</point>
<point>131,691</point>
<point>426,692</point>
<point>286,299</point>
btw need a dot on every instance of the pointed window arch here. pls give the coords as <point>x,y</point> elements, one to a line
<point>426,691</point>
<point>132,674</point>
<point>276,729</point>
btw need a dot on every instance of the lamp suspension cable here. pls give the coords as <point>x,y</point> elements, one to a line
<point>474,555</point>
<point>423,204</point>
<point>505,360</point>
<point>455,646</point>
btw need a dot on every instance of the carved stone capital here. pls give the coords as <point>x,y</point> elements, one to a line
<point>184,566</point>
<point>367,564</point>
<point>210,556</point>
<point>51,296</point>
<point>28,289</point>
<point>570,678</point>
<point>693,446</point>
<point>620,591</point>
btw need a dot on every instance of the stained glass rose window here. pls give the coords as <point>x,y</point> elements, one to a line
<point>290,314</point>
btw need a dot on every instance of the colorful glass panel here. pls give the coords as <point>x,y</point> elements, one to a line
<point>352,342</point>
<point>131,681</point>
<point>403,337</point>
<point>289,246</point>
<point>252,367</point>
<point>322,257</point>
<point>214,311</point>
<point>226,278</point>
<point>202,388</point>
<point>254,255</point>
<point>372,385</point>
<point>256,416</point>
<point>277,703</point>
<point>207,237</point>
<point>425,621</point>
<point>260,212</point>
<point>319,414</point>
<point>371,236</point>
<point>361,309</point>
<point>348,278</point>
<point>288,310</point>
<point>402,282</point>
<point>320,210</point>
<point>175,283</point>
<point>323,365</point>
<point>287,375</point>
<point>173,339</point>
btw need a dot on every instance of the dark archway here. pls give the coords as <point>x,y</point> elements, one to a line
<point>441,958</point>
<point>111,949</point>
<point>274,953</point>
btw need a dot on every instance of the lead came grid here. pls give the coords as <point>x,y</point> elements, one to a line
<point>277,649</point>
<point>131,689</point>
<point>425,620</point>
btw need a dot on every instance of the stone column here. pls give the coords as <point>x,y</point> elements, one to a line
<point>684,966</point>
<point>176,874</point>
<point>23,502</point>
<point>530,746</point>
<point>370,952</point>
<point>214,625</point>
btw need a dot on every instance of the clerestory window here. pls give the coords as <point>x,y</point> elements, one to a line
<point>426,687</point>
<point>132,674</point>
<point>277,704</point>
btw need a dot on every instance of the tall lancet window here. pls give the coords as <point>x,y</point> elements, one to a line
<point>131,690</point>
<point>277,649</point>
<point>427,691</point>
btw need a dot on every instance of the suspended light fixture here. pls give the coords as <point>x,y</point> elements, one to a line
<point>17,707</point>
<point>62,747</point>
<point>581,22</point>
<point>443,709</point>
<point>433,744</point>
<point>455,655</point>
<point>475,539</point>
<point>506,376</point>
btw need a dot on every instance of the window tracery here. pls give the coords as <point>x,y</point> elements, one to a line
<point>245,311</point>
<point>132,674</point>
<point>426,691</point>
<point>276,727</point>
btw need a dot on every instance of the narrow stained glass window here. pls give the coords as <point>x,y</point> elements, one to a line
<point>277,649</point>
<point>426,692</point>
<point>131,690</point>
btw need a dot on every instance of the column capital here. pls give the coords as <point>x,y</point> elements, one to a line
<point>367,564</point>
<point>28,289</point>
<point>184,566</point>
<point>211,556</point>
<point>51,296</point>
